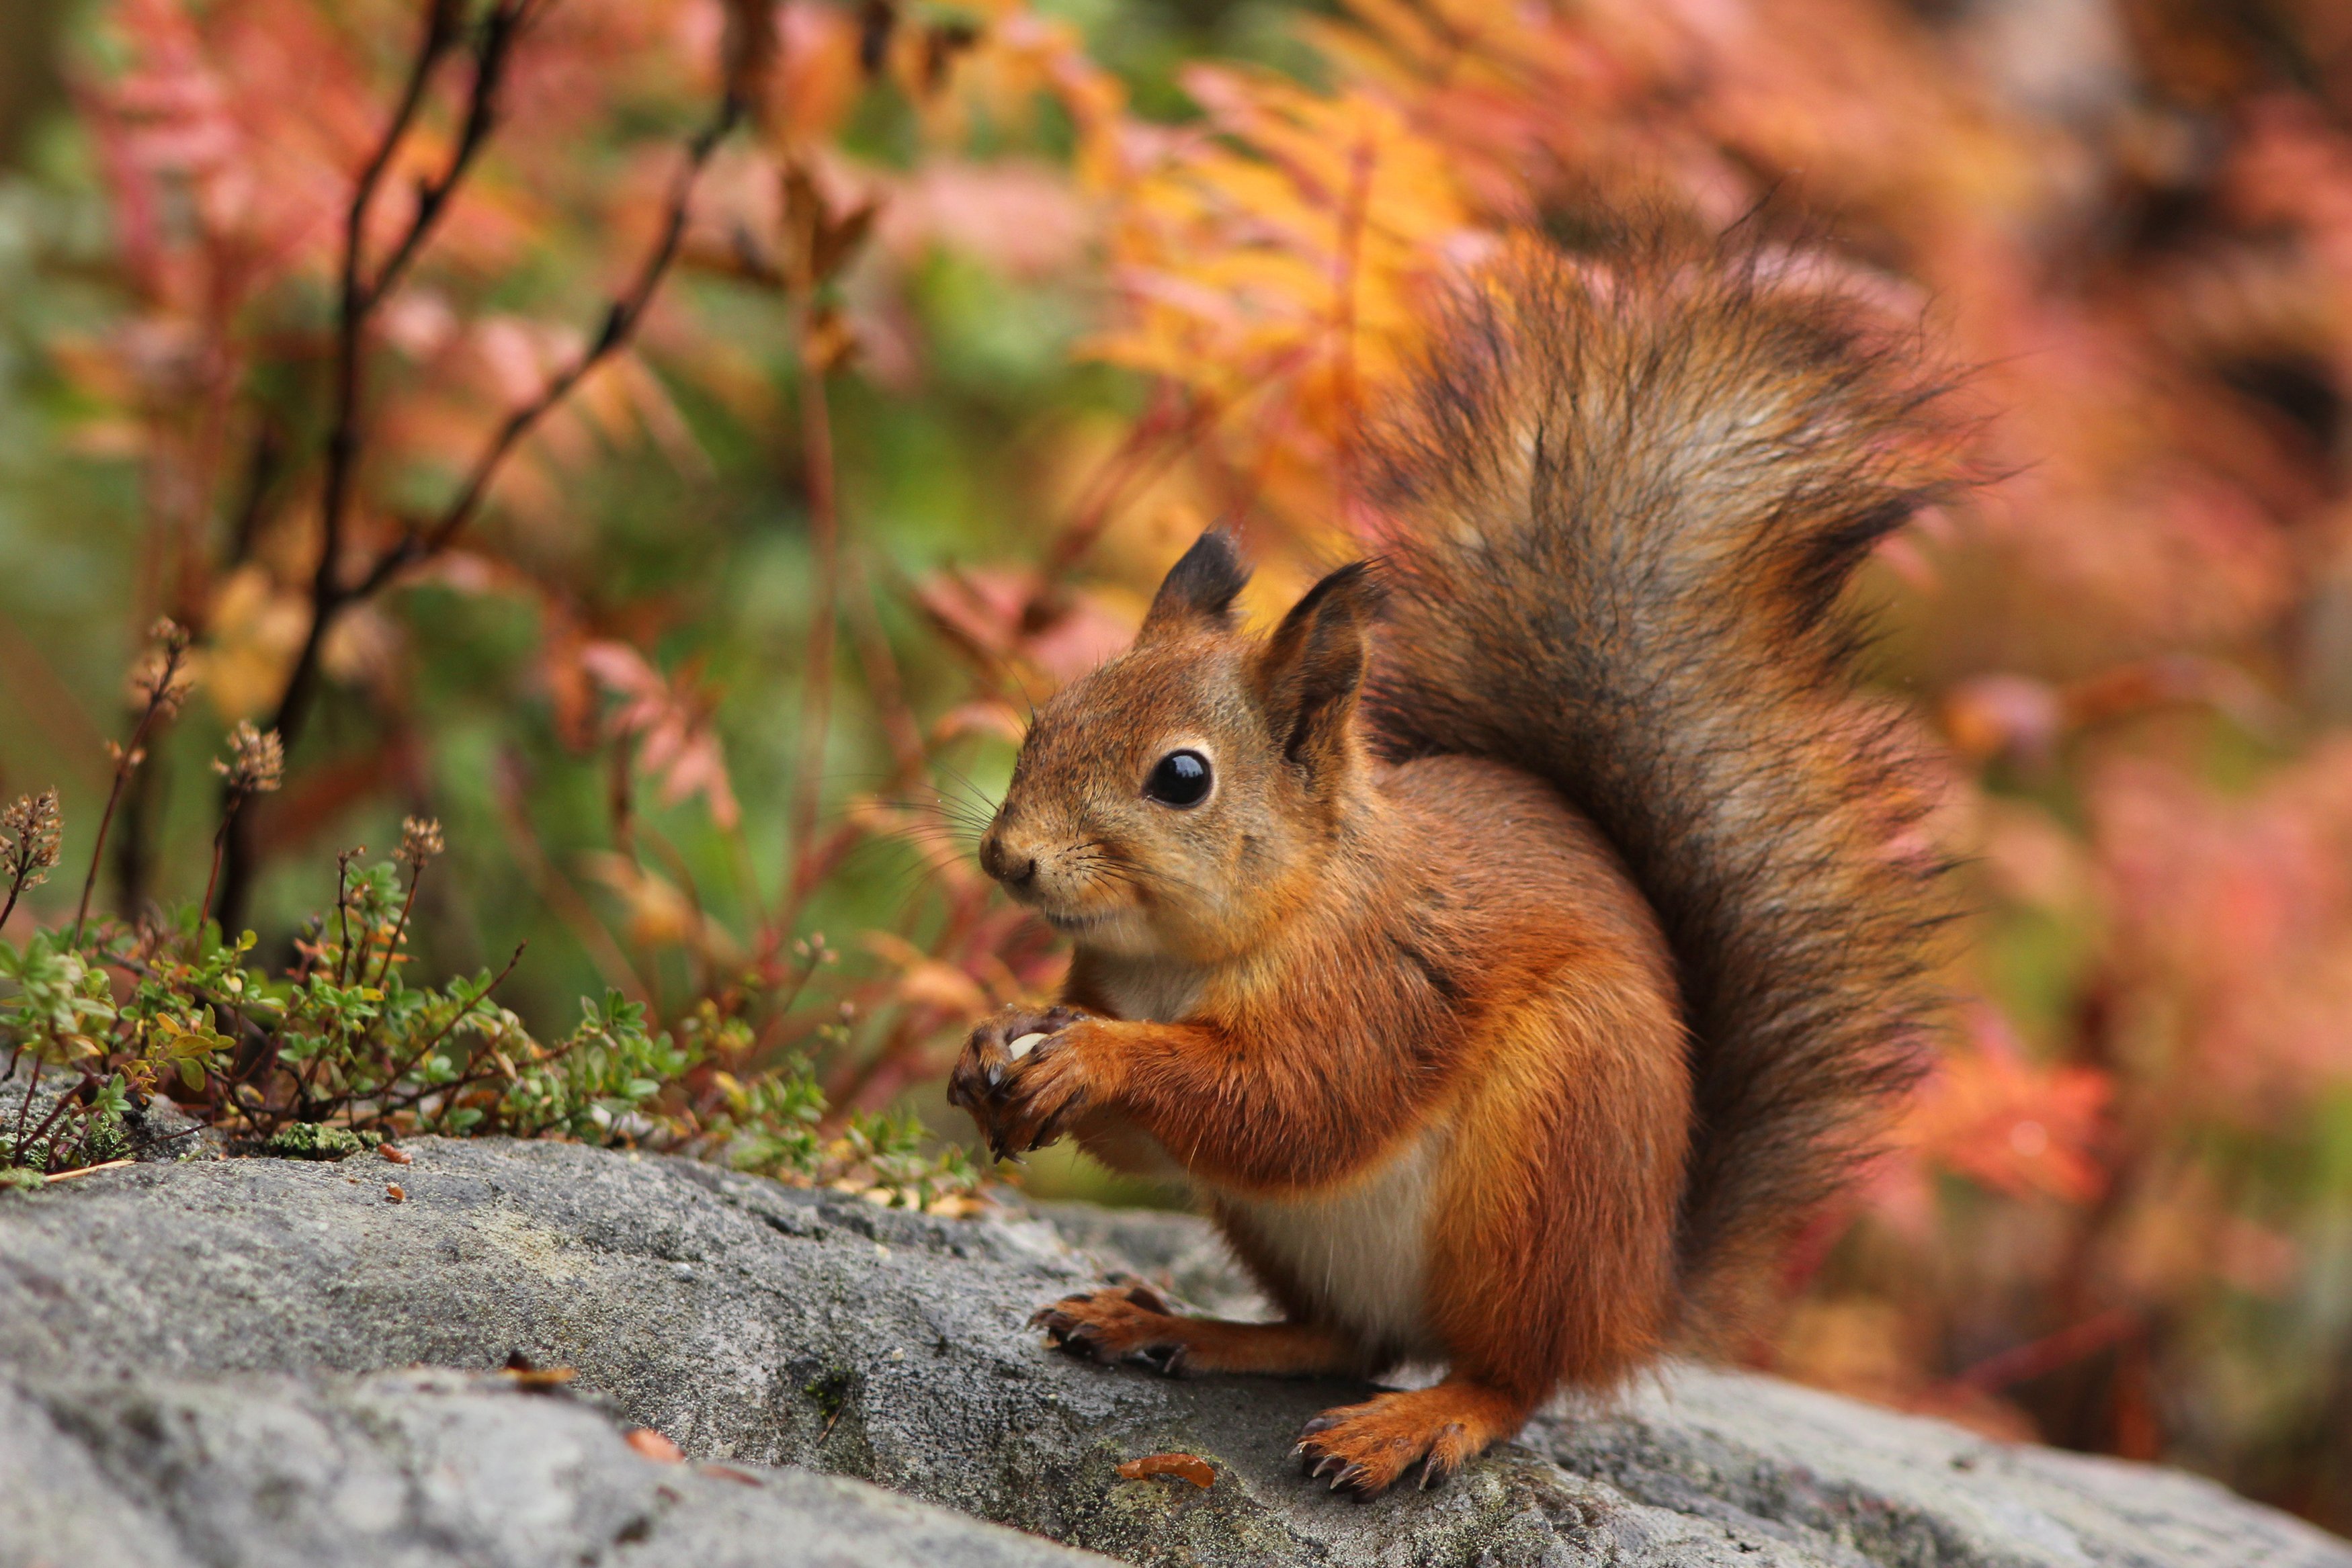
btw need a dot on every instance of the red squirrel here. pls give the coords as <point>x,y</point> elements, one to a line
<point>1516,944</point>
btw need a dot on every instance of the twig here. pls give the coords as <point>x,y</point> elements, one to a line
<point>220,842</point>
<point>816,678</point>
<point>24,1113</point>
<point>621,321</point>
<point>467,1011</point>
<point>500,31</point>
<point>779,1010</point>
<point>400,927</point>
<point>2035,1358</point>
<point>557,891</point>
<point>15,890</point>
<point>330,595</point>
<point>256,765</point>
<point>89,1132</point>
<point>260,475</point>
<point>359,300</point>
<point>88,1170</point>
<point>423,1052</point>
<point>65,1103</point>
<point>161,696</point>
<point>880,667</point>
<point>1169,413</point>
<point>159,1139</point>
<point>343,911</point>
<point>472,1079</point>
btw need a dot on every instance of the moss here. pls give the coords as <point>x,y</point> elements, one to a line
<point>313,1141</point>
<point>831,1392</point>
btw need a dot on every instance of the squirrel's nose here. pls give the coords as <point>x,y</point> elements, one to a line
<point>1011,870</point>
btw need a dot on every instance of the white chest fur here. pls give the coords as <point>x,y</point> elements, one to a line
<point>1149,991</point>
<point>1359,1251</point>
<point>1143,991</point>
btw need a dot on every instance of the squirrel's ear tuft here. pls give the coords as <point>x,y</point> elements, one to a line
<point>1312,670</point>
<point>1197,591</point>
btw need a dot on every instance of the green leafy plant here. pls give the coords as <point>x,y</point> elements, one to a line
<point>341,1051</point>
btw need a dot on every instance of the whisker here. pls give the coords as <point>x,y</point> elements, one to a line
<point>1096,853</point>
<point>937,806</point>
<point>961,827</point>
<point>972,794</point>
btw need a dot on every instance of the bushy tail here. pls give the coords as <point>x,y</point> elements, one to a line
<point>1625,499</point>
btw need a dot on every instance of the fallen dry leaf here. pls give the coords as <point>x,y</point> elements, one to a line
<point>653,1445</point>
<point>1189,1467</point>
<point>538,1376</point>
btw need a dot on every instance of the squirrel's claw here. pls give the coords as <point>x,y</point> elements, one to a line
<point>1041,1095</point>
<point>1374,1445</point>
<point>1167,1360</point>
<point>998,1088</point>
<point>1128,1326</point>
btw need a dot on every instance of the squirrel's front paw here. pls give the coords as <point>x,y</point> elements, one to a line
<point>1020,1077</point>
<point>1131,1323</point>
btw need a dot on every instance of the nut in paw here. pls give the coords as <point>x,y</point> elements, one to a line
<point>1016,1079</point>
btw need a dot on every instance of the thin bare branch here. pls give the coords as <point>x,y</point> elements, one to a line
<point>358,301</point>
<point>164,690</point>
<point>817,672</point>
<point>500,31</point>
<point>621,321</point>
<point>330,595</point>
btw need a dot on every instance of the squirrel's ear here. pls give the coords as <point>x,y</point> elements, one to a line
<point>1197,591</point>
<point>1313,668</point>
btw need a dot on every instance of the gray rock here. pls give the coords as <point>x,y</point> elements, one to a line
<point>761,1327</point>
<point>135,1470</point>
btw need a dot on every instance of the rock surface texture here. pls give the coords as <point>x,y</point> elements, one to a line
<point>204,1364</point>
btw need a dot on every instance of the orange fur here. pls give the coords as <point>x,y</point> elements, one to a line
<point>1496,1027</point>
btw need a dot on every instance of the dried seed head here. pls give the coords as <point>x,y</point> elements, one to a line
<point>29,833</point>
<point>420,840</point>
<point>162,677</point>
<point>256,762</point>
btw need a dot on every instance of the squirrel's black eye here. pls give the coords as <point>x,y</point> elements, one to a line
<point>1178,779</point>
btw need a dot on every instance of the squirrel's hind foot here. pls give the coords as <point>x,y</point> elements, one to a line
<point>1367,1448</point>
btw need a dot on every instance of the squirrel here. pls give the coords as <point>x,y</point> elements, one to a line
<point>1521,942</point>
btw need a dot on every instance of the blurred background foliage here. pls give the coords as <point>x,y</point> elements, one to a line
<point>976,313</point>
